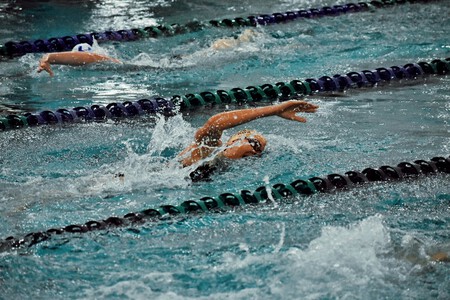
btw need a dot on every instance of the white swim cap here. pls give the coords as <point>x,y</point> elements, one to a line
<point>85,47</point>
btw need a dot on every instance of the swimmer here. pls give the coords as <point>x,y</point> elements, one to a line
<point>81,54</point>
<point>84,54</point>
<point>226,43</point>
<point>242,144</point>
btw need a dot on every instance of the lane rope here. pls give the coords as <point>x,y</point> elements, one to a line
<point>227,201</point>
<point>279,91</point>
<point>13,49</point>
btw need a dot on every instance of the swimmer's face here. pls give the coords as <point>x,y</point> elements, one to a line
<point>245,143</point>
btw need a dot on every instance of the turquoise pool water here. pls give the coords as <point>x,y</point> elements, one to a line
<point>372,242</point>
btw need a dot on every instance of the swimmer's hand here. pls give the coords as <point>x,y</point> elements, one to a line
<point>289,109</point>
<point>44,65</point>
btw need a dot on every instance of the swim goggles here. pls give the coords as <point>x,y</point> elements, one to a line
<point>256,145</point>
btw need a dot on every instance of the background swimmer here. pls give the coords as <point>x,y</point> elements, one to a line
<point>84,54</point>
<point>226,43</point>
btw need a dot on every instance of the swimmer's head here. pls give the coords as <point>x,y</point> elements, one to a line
<point>84,47</point>
<point>245,143</point>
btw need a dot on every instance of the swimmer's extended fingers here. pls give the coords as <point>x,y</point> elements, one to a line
<point>291,108</point>
<point>45,66</point>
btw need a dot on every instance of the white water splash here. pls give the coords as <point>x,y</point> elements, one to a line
<point>282,237</point>
<point>269,190</point>
<point>153,166</point>
<point>143,173</point>
<point>342,262</point>
<point>203,56</point>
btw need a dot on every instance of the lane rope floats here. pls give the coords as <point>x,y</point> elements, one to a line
<point>66,43</point>
<point>226,201</point>
<point>263,93</point>
<point>154,105</point>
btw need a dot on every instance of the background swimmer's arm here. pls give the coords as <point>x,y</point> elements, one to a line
<point>72,59</point>
<point>211,132</point>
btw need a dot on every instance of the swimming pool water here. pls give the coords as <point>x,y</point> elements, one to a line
<point>372,242</point>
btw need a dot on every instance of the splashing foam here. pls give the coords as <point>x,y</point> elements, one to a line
<point>148,60</point>
<point>211,55</point>
<point>269,191</point>
<point>344,260</point>
<point>145,173</point>
<point>152,167</point>
<point>341,262</point>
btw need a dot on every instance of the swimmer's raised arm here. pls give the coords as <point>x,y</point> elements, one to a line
<point>71,58</point>
<point>212,130</point>
<point>208,137</point>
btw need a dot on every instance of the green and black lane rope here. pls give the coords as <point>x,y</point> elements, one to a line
<point>66,43</point>
<point>225,201</point>
<point>279,91</point>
